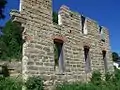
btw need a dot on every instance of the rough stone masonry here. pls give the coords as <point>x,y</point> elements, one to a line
<point>67,51</point>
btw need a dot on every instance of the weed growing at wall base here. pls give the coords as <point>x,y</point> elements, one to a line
<point>34,83</point>
<point>10,84</point>
<point>111,82</point>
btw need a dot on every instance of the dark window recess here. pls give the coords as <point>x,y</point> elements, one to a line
<point>100,29</point>
<point>105,60</point>
<point>71,14</point>
<point>58,55</point>
<point>70,31</point>
<point>103,40</point>
<point>83,23</point>
<point>102,34</point>
<point>55,17</point>
<point>87,59</point>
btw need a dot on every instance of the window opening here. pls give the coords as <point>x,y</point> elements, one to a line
<point>83,23</point>
<point>87,59</point>
<point>105,60</point>
<point>102,36</point>
<point>58,55</point>
<point>55,17</point>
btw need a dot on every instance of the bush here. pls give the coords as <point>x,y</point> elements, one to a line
<point>111,82</point>
<point>96,78</point>
<point>34,83</point>
<point>11,42</point>
<point>5,70</point>
<point>1,78</point>
<point>77,86</point>
<point>10,84</point>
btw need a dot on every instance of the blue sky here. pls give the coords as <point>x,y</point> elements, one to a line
<point>105,12</point>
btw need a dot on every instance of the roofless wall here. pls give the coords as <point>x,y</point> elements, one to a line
<point>68,51</point>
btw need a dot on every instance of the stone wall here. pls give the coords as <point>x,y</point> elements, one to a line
<point>14,68</point>
<point>39,34</point>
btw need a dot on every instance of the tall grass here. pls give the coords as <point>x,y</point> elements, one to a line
<point>10,83</point>
<point>111,82</point>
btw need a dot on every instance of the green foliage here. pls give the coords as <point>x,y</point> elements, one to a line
<point>34,83</point>
<point>55,17</point>
<point>2,6</point>
<point>96,78</point>
<point>77,86</point>
<point>108,77</point>
<point>5,71</point>
<point>11,41</point>
<point>115,56</point>
<point>10,84</point>
<point>2,78</point>
<point>111,82</point>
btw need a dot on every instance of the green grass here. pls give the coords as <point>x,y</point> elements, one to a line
<point>110,82</point>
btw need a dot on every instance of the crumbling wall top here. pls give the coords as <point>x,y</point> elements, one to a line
<point>69,18</point>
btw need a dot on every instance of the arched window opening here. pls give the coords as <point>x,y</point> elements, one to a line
<point>100,29</point>
<point>102,36</point>
<point>84,25</point>
<point>105,60</point>
<point>58,55</point>
<point>87,59</point>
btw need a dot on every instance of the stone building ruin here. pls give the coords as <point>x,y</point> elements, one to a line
<point>81,44</point>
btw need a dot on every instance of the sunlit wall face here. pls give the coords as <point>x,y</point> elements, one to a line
<point>20,5</point>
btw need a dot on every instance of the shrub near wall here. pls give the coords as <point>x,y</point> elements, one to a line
<point>10,84</point>
<point>111,82</point>
<point>34,83</point>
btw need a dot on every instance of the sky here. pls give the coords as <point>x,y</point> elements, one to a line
<point>105,12</point>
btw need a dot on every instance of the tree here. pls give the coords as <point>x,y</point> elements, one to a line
<point>11,41</point>
<point>115,56</point>
<point>2,6</point>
